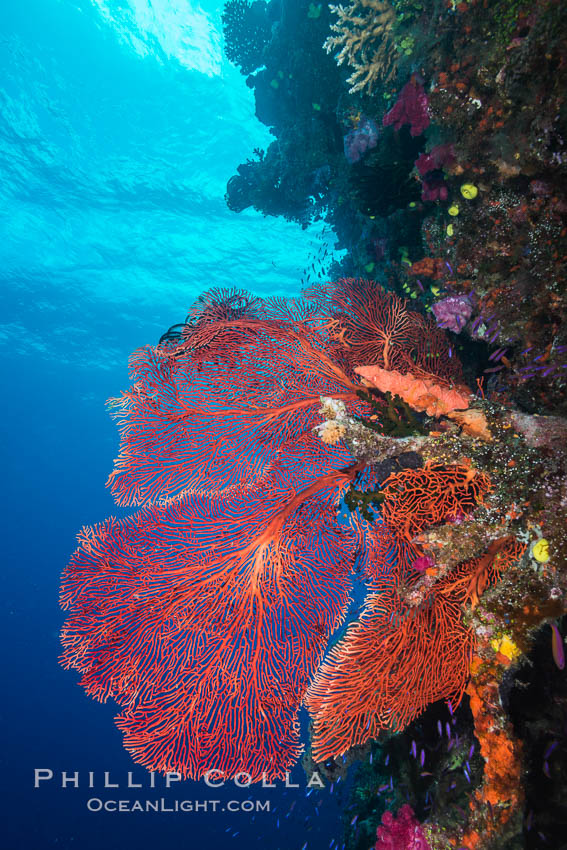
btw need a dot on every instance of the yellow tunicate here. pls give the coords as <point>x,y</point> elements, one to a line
<point>453,210</point>
<point>450,230</point>
<point>469,191</point>
<point>506,647</point>
<point>435,290</point>
<point>540,550</point>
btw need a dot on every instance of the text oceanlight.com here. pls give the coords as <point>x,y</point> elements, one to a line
<point>95,804</point>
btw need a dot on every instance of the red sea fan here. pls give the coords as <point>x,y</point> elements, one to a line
<point>375,325</point>
<point>400,657</point>
<point>226,305</point>
<point>205,618</point>
<point>378,328</point>
<point>389,667</point>
<point>206,613</point>
<point>417,498</point>
<point>213,418</point>
<point>384,556</point>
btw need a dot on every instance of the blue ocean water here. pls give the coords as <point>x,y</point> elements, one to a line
<point>120,124</point>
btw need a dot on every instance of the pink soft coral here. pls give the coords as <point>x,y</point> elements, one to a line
<point>410,108</point>
<point>402,833</point>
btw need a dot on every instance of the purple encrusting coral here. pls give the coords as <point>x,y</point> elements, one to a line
<point>401,833</point>
<point>361,139</point>
<point>410,108</point>
<point>453,312</point>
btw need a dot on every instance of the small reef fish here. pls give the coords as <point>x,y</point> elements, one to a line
<point>557,647</point>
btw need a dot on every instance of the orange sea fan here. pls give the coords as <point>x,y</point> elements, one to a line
<point>417,498</point>
<point>471,579</point>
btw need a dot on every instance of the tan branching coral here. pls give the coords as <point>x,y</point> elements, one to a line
<point>364,38</point>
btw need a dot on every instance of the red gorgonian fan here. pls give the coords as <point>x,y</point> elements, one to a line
<point>416,498</point>
<point>205,618</point>
<point>206,613</point>
<point>398,658</point>
<point>378,329</point>
<point>209,410</point>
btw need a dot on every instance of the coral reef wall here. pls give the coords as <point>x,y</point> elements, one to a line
<point>431,137</point>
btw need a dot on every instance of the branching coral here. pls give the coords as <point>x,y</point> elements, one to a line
<point>365,41</point>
